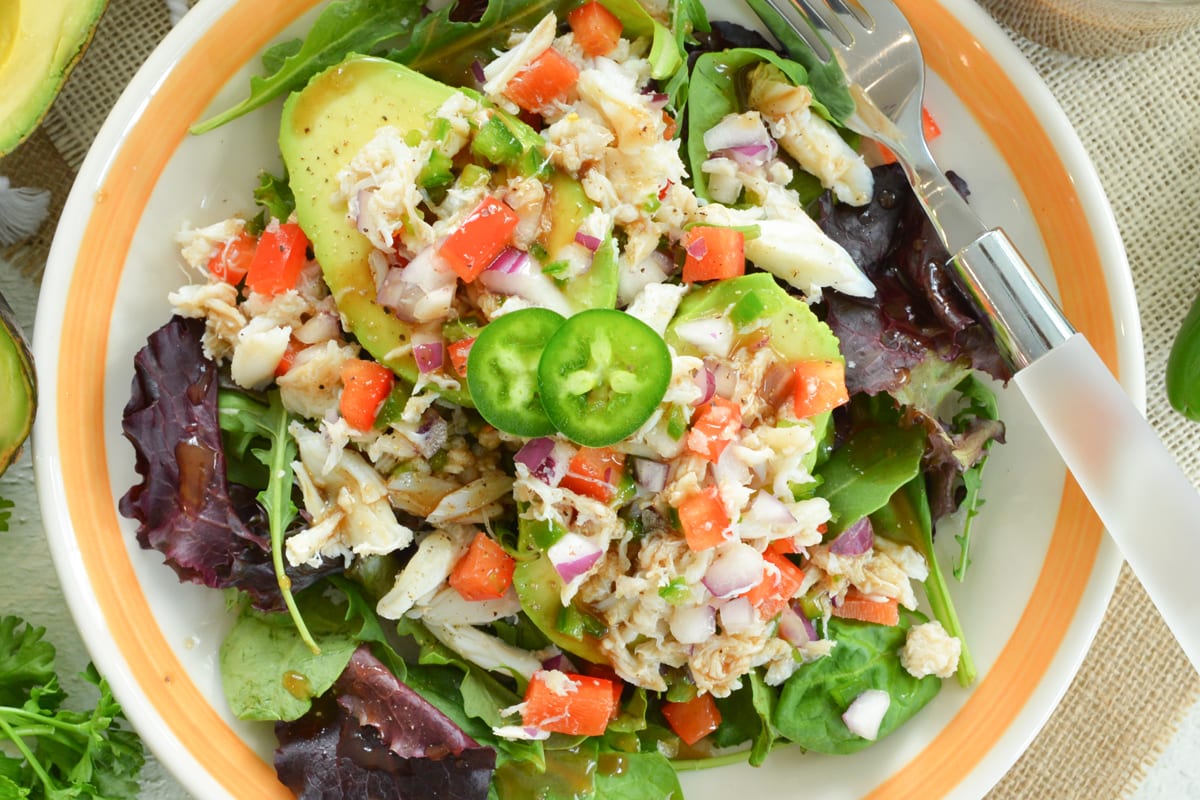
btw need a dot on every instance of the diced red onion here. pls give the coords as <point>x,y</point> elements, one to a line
<point>693,624</point>
<point>777,384</point>
<point>573,555</point>
<point>429,356</point>
<point>655,268</point>
<point>509,261</point>
<point>855,540</point>
<point>809,629</point>
<point>738,616</point>
<point>736,568</point>
<point>725,380</point>
<point>538,457</point>
<point>651,475</point>
<point>477,72</point>
<point>560,662</point>
<point>866,713</point>
<point>697,248</point>
<point>711,335</point>
<point>590,242</point>
<point>768,510</point>
<point>431,434</point>
<point>736,131</point>
<point>707,383</point>
<point>422,291</point>
<point>537,288</point>
<point>730,469</point>
<point>657,100</point>
<point>794,627</point>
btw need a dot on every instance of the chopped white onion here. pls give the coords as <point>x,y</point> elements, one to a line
<point>535,287</point>
<point>422,291</point>
<point>573,555</point>
<point>768,510</point>
<point>738,616</point>
<point>693,624</point>
<point>865,714</point>
<point>736,568</point>
<point>710,335</point>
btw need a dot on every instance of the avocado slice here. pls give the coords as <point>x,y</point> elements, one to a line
<point>40,42</point>
<point>18,387</point>
<point>323,126</point>
<point>569,206</point>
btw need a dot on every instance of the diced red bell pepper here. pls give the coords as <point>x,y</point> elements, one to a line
<point>713,253</point>
<point>231,262</point>
<point>704,520</point>
<point>717,423</point>
<point>595,472</point>
<point>484,572</point>
<point>547,78</point>
<point>818,386</point>
<point>278,260</point>
<point>597,30</point>
<point>693,719</point>
<point>482,236</point>
<point>563,702</point>
<point>365,385</point>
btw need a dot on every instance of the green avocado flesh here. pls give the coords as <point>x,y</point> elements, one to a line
<point>39,44</point>
<point>18,388</point>
<point>324,125</point>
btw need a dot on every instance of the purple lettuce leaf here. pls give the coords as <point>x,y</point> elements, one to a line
<point>917,311</point>
<point>373,736</point>
<point>210,532</point>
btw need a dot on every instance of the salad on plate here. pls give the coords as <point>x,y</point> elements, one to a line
<point>576,407</point>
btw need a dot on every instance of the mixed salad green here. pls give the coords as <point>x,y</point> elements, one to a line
<point>577,409</point>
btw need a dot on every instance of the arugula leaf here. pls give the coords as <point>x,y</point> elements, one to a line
<point>444,48</point>
<point>981,405</point>
<point>347,26</point>
<point>51,751</point>
<point>274,195</point>
<point>241,414</point>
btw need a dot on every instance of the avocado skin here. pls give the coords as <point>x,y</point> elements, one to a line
<point>322,128</point>
<point>41,43</point>
<point>18,387</point>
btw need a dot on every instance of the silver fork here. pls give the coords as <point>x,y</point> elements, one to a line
<point>1149,506</point>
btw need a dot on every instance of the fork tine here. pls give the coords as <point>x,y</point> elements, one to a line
<point>799,24</point>
<point>826,15</point>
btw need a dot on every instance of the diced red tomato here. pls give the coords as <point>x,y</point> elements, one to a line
<point>547,78</point>
<point>286,361</point>
<point>365,385</point>
<point>231,262</point>
<point>781,580</point>
<point>458,352</point>
<point>280,256</point>
<point>693,719</point>
<point>485,572</point>
<point>713,253</point>
<point>928,124</point>
<point>717,423</point>
<point>857,605</point>
<point>818,386</point>
<point>482,236</point>
<point>581,709</point>
<point>596,29</point>
<point>704,520</point>
<point>595,472</point>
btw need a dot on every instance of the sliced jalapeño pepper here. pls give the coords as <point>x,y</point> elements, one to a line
<point>601,376</point>
<point>502,371</point>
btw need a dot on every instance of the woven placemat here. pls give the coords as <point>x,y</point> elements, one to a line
<point>1135,683</point>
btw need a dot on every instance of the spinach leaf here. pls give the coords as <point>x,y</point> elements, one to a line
<point>344,27</point>
<point>906,519</point>
<point>269,672</point>
<point>812,701</point>
<point>636,776</point>
<point>860,476</point>
<point>445,48</point>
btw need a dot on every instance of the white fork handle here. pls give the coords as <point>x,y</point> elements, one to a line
<point>1149,507</point>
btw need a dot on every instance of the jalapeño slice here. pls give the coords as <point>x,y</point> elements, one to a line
<point>602,374</point>
<point>502,371</point>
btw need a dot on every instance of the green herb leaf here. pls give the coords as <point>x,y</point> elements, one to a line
<point>348,26</point>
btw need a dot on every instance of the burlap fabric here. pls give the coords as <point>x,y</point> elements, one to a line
<point>1139,118</point>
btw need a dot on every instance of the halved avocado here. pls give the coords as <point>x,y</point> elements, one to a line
<point>324,126</point>
<point>18,387</point>
<point>40,41</point>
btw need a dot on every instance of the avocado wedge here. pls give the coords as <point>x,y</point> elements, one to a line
<point>323,126</point>
<point>40,42</point>
<point>18,387</point>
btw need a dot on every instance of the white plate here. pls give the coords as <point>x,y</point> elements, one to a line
<point>1042,572</point>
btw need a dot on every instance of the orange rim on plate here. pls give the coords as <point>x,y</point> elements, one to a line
<point>182,95</point>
